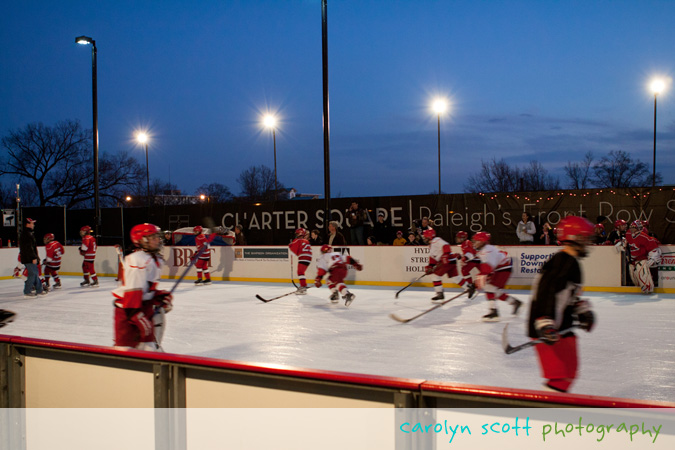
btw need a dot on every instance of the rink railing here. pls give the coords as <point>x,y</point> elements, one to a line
<point>38,373</point>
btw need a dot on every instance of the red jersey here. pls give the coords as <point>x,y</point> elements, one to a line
<point>54,253</point>
<point>200,241</point>
<point>88,248</point>
<point>468,251</point>
<point>641,245</point>
<point>302,249</point>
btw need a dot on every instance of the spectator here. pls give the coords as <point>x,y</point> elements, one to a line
<point>370,240</point>
<point>619,232</point>
<point>335,238</point>
<point>400,240</point>
<point>356,218</point>
<point>239,238</point>
<point>381,231</point>
<point>599,235</point>
<point>315,238</point>
<point>526,230</point>
<point>412,239</point>
<point>167,238</point>
<point>547,236</point>
<point>420,227</point>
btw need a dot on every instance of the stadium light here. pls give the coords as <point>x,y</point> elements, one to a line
<point>271,122</point>
<point>439,106</point>
<point>657,86</point>
<point>142,139</point>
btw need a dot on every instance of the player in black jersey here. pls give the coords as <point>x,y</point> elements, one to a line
<point>556,305</point>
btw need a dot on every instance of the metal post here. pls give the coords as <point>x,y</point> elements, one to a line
<point>326,121</point>
<point>654,163</point>
<point>439,154</point>
<point>276,185</point>
<point>147,175</point>
<point>94,84</point>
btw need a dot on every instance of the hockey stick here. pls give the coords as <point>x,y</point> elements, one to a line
<point>410,284</point>
<point>292,280</point>
<point>274,298</point>
<point>508,349</point>
<point>399,319</point>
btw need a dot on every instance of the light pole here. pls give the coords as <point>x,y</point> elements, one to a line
<point>657,87</point>
<point>84,40</point>
<point>439,106</point>
<point>271,122</point>
<point>142,138</point>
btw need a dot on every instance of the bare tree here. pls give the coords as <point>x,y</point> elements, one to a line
<point>55,164</point>
<point>618,169</point>
<point>579,174</point>
<point>216,192</point>
<point>257,183</point>
<point>498,176</point>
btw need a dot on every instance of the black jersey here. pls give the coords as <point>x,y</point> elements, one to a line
<point>555,292</point>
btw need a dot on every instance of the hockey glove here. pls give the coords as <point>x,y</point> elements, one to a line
<point>140,321</point>
<point>357,265</point>
<point>654,257</point>
<point>163,299</point>
<point>317,282</point>
<point>585,316</point>
<point>546,330</point>
<point>429,269</point>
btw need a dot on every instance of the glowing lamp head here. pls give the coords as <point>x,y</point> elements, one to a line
<point>657,86</point>
<point>270,121</point>
<point>440,106</point>
<point>202,197</point>
<point>142,138</point>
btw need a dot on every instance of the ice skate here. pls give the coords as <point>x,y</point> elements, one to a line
<point>334,297</point>
<point>6,317</point>
<point>44,292</point>
<point>94,284</point>
<point>348,298</point>
<point>516,306</point>
<point>492,316</point>
<point>30,295</point>
<point>302,290</point>
<point>206,282</point>
<point>199,282</point>
<point>439,297</point>
<point>471,290</point>
<point>57,285</point>
<point>85,283</point>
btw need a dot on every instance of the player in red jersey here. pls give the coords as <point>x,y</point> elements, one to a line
<point>441,261</point>
<point>301,247</point>
<point>139,305</point>
<point>469,262</point>
<point>204,259</point>
<point>495,270</point>
<point>556,304</point>
<point>88,250</point>
<point>645,254</point>
<point>335,265</point>
<point>52,262</point>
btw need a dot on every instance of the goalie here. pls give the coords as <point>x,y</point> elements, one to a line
<point>645,256</point>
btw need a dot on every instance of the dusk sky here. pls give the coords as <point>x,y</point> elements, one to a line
<point>525,80</point>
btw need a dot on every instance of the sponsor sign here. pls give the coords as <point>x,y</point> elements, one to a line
<point>260,254</point>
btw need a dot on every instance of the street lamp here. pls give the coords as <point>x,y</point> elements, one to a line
<point>271,122</point>
<point>439,106</point>
<point>84,40</point>
<point>142,138</point>
<point>657,87</point>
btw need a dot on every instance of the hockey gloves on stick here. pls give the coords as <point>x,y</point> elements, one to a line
<point>163,299</point>
<point>357,265</point>
<point>429,269</point>
<point>317,282</point>
<point>585,316</point>
<point>546,330</point>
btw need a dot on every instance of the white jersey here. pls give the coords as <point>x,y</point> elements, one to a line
<point>493,259</point>
<point>328,261</point>
<point>437,248</point>
<point>141,274</point>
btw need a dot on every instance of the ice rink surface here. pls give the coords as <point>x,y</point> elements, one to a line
<point>629,354</point>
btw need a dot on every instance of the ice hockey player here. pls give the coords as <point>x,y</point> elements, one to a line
<point>88,250</point>
<point>52,262</point>
<point>495,270</point>
<point>618,233</point>
<point>645,254</point>
<point>469,262</point>
<point>204,259</point>
<point>335,265</point>
<point>303,250</point>
<point>556,304</point>
<point>139,305</point>
<point>6,317</point>
<point>441,261</point>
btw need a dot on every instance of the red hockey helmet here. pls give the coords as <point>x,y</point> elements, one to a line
<point>463,235</point>
<point>429,234</point>
<point>326,248</point>
<point>141,232</point>
<point>48,238</point>
<point>637,224</point>
<point>482,236</point>
<point>198,229</point>
<point>575,229</point>
<point>619,223</point>
<point>645,223</point>
<point>599,227</point>
<point>300,232</point>
<point>85,229</point>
